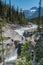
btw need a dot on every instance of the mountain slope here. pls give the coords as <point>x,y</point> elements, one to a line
<point>33,12</point>
<point>12,15</point>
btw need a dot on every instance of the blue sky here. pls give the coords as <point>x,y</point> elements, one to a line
<point>24,4</point>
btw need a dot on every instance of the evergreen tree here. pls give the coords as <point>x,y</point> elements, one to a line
<point>40,62</point>
<point>39,17</point>
<point>1,44</point>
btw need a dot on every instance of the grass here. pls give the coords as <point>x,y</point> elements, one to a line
<point>2,50</point>
<point>4,38</point>
<point>0,43</point>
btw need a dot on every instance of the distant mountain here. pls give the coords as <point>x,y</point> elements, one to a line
<point>33,12</point>
<point>33,8</point>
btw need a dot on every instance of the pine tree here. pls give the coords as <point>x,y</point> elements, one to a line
<point>39,17</point>
<point>1,44</point>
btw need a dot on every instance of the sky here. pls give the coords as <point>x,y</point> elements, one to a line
<point>24,4</point>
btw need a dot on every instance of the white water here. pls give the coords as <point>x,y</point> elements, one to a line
<point>13,57</point>
<point>20,31</point>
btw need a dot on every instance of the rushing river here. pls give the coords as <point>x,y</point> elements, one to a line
<point>10,58</point>
<point>13,56</point>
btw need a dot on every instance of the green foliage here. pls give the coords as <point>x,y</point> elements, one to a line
<point>25,63</point>
<point>39,52</point>
<point>0,44</point>
<point>40,62</point>
<point>26,57</point>
<point>20,63</point>
<point>4,38</point>
<point>11,15</point>
<point>2,50</point>
<point>39,22</point>
<point>25,51</point>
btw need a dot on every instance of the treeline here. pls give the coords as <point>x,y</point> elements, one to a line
<point>12,15</point>
<point>36,20</point>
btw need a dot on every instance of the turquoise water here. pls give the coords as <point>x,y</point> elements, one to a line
<point>14,53</point>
